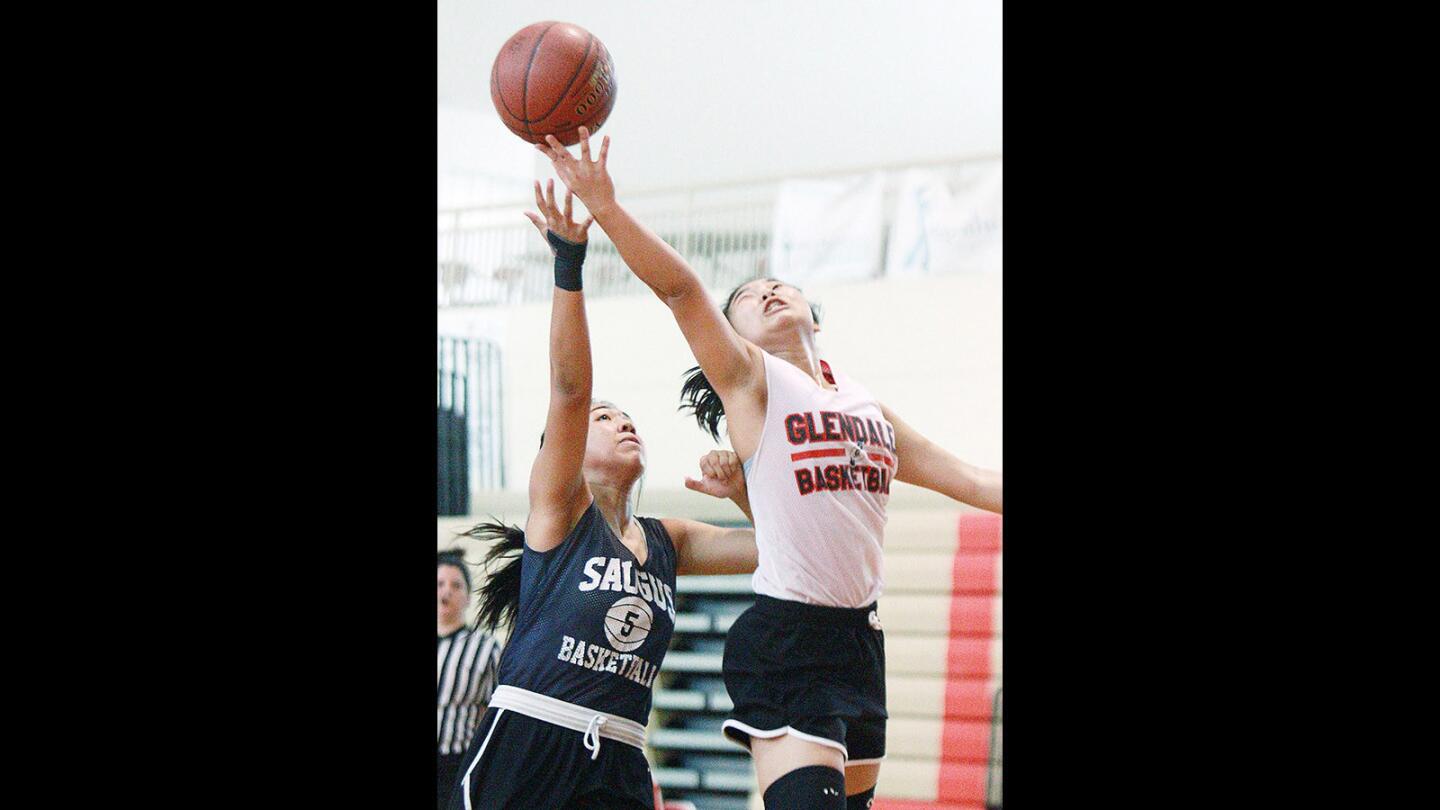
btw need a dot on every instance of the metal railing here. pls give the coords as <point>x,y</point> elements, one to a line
<point>492,255</point>
<point>993,779</point>
<point>470,424</point>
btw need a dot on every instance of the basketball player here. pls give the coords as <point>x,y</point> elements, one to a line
<point>805,667</point>
<point>591,594</point>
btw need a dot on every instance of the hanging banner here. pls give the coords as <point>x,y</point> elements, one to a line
<point>827,230</point>
<point>943,226</point>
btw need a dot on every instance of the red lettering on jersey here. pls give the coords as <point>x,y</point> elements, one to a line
<point>804,481</point>
<point>828,420</point>
<point>810,427</point>
<point>795,428</point>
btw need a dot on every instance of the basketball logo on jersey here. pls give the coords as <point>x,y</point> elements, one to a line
<point>855,453</point>
<point>627,623</point>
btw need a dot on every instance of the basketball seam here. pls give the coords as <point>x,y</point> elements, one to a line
<point>525,85</point>
<point>494,79</point>
<point>588,45</point>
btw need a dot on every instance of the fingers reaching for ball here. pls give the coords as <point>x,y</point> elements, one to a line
<point>585,147</point>
<point>559,220</point>
<point>555,150</point>
<point>588,179</point>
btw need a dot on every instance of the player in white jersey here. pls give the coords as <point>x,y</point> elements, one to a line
<point>805,666</point>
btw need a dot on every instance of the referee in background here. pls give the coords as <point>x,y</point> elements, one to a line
<point>467,663</point>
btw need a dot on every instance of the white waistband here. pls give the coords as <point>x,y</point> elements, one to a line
<point>568,715</point>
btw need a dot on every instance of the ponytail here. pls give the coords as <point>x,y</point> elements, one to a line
<point>699,397</point>
<point>500,595</point>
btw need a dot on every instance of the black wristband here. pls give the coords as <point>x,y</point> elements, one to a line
<point>569,256</point>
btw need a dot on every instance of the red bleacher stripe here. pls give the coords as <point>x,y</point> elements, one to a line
<point>968,658</point>
<point>965,741</point>
<point>972,616</point>
<point>839,451</point>
<point>974,572</point>
<point>961,782</point>
<point>980,531</point>
<point>968,698</point>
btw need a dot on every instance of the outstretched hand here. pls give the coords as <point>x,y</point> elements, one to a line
<point>587,178</point>
<point>724,476</point>
<point>555,219</point>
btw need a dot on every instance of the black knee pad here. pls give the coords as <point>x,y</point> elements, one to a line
<point>813,787</point>
<point>861,800</point>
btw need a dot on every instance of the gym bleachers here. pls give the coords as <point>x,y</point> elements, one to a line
<point>942,616</point>
<point>693,762</point>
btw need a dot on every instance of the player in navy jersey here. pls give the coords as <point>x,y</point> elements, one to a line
<point>805,666</point>
<point>590,595</point>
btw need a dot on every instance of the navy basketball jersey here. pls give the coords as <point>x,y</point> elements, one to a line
<point>594,624</point>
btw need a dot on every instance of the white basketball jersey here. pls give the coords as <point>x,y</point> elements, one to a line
<point>818,484</point>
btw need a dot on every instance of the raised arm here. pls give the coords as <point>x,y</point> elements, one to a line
<point>558,493</point>
<point>733,365</point>
<point>927,464</point>
<point>704,549</point>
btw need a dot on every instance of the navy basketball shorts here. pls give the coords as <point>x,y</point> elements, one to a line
<point>447,773</point>
<point>529,764</point>
<point>812,671</point>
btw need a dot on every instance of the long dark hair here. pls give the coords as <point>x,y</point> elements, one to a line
<point>698,396</point>
<point>500,595</point>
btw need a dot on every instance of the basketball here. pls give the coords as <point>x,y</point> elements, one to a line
<point>552,78</point>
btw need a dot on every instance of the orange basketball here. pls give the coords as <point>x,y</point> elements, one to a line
<point>552,78</point>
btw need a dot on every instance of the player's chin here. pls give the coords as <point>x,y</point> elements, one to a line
<point>782,318</point>
<point>628,456</point>
<point>788,317</point>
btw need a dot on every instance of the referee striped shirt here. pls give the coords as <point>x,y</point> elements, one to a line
<point>467,666</point>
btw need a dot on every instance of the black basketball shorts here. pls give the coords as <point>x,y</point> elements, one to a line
<point>529,764</point>
<point>812,671</point>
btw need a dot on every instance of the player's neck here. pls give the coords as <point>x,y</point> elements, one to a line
<point>804,355</point>
<point>615,506</point>
<point>444,628</point>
